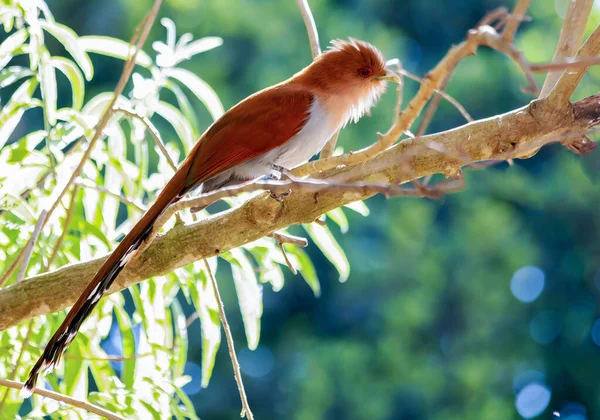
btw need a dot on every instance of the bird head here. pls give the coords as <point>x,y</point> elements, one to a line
<point>351,75</point>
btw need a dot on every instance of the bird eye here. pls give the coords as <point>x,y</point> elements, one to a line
<point>365,72</point>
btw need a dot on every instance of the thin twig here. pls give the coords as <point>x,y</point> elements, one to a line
<point>315,49</point>
<point>516,17</point>
<point>286,259</point>
<point>65,399</point>
<point>65,227</point>
<point>568,63</point>
<point>234,362</point>
<point>431,109</point>
<point>121,198</point>
<point>14,265</point>
<point>568,82</point>
<point>110,358</point>
<point>286,238</point>
<point>153,131</point>
<point>30,244</point>
<point>311,27</point>
<point>571,35</point>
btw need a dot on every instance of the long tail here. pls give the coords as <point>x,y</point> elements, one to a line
<point>105,276</point>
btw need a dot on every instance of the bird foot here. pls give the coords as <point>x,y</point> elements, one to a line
<point>280,173</point>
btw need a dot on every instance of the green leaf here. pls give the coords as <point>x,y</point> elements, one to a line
<point>10,44</point>
<point>18,153</point>
<point>69,39</point>
<point>199,88</point>
<point>11,114</point>
<point>181,339</point>
<point>48,87</point>
<point>153,412</point>
<point>75,77</point>
<point>269,272</point>
<point>179,123</point>
<point>307,268</point>
<point>206,304</point>
<point>128,342</point>
<point>339,217</point>
<point>191,413</point>
<point>7,18</point>
<point>330,248</point>
<point>360,207</point>
<point>75,368</point>
<point>199,46</point>
<point>249,293</point>
<point>185,106</point>
<point>12,74</point>
<point>113,47</point>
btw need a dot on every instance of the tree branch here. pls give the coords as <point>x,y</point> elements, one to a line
<point>569,80</point>
<point>498,138</point>
<point>570,39</point>
<point>65,399</point>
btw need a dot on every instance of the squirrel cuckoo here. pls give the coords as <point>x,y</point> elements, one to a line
<point>281,126</point>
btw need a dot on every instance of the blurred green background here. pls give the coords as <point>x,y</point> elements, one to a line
<point>480,305</point>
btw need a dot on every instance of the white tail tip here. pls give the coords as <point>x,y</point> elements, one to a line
<point>25,392</point>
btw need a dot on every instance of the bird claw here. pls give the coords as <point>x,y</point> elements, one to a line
<point>282,172</point>
<point>280,197</point>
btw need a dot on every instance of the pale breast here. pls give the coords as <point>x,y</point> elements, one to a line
<point>299,149</point>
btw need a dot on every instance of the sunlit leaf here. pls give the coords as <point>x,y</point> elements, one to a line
<point>128,342</point>
<point>114,48</point>
<point>249,293</point>
<point>11,114</point>
<point>191,412</point>
<point>75,77</point>
<point>307,268</point>
<point>153,412</point>
<point>10,44</point>
<point>269,271</point>
<point>199,46</point>
<point>200,88</point>
<point>340,219</point>
<point>181,339</point>
<point>360,207</point>
<point>206,304</point>
<point>330,248</point>
<point>22,147</point>
<point>179,123</point>
<point>75,368</point>
<point>69,39</point>
<point>12,74</point>
<point>48,87</point>
<point>185,106</point>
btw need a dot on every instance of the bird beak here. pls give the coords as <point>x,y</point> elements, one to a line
<point>390,75</point>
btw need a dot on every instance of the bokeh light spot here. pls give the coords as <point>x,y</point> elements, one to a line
<point>527,283</point>
<point>194,386</point>
<point>527,377</point>
<point>573,411</point>
<point>596,332</point>
<point>545,326</point>
<point>532,400</point>
<point>257,363</point>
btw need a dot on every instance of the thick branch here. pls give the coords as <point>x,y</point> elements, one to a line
<point>501,137</point>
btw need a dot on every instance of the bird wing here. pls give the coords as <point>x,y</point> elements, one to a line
<point>253,127</point>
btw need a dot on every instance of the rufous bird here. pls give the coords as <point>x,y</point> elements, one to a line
<point>281,126</point>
